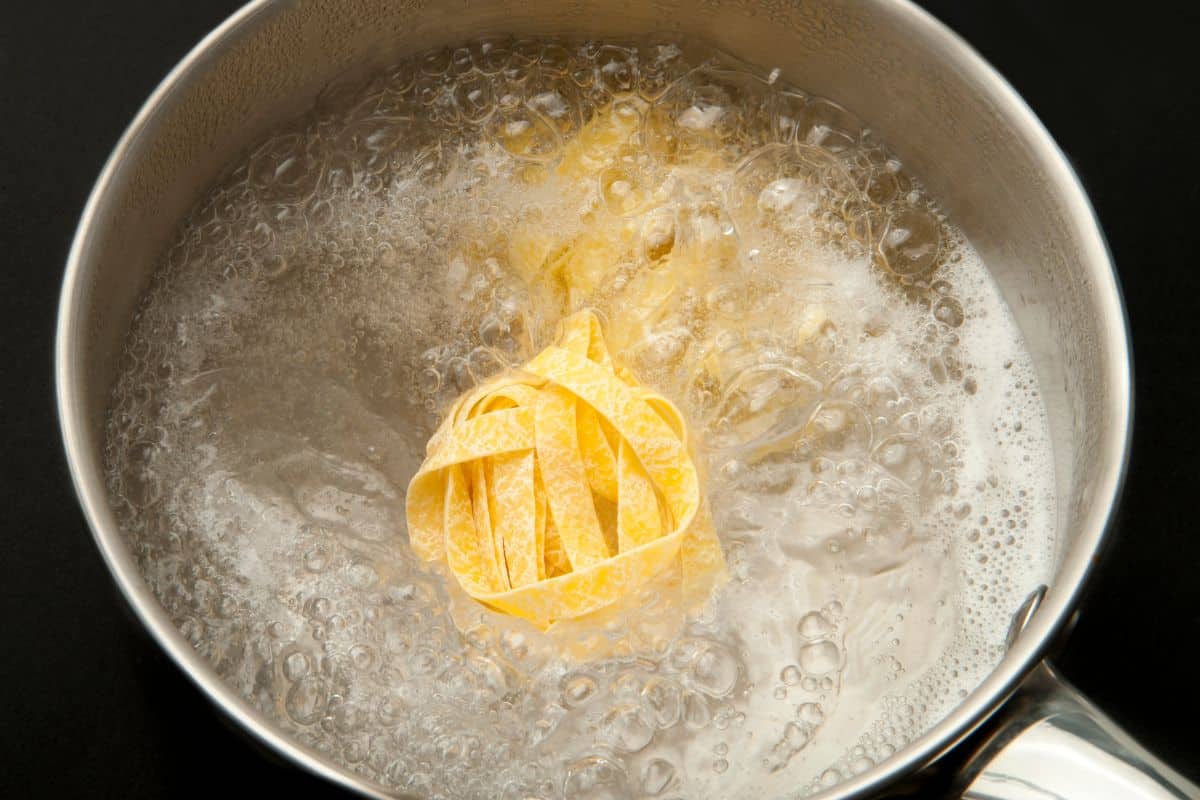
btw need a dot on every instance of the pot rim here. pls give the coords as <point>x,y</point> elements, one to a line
<point>1024,654</point>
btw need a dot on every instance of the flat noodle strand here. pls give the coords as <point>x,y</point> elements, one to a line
<point>509,490</point>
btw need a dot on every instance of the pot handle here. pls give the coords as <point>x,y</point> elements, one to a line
<point>1049,742</point>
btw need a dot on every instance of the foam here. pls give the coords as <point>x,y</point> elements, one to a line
<point>875,449</point>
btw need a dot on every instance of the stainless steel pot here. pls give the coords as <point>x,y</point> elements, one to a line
<point>950,117</point>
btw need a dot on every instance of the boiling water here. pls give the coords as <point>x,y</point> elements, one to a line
<point>874,446</point>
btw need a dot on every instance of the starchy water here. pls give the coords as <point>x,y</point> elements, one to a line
<point>867,421</point>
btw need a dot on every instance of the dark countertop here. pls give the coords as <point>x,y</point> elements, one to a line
<point>90,707</point>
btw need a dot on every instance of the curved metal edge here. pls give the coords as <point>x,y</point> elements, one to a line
<point>1030,647</point>
<point>1026,653</point>
<point>92,496</point>
<point>1051,741</point>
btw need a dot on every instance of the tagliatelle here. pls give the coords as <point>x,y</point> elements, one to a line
<point>557,490</point>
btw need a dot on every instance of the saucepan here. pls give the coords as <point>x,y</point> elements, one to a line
<point>950,117</point>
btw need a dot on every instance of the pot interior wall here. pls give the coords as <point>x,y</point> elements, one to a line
<point>937,112</point>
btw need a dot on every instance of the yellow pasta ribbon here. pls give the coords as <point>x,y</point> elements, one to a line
<point>556,490</point>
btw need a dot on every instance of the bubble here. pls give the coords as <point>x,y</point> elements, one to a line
<point>436,62</point>
<point>910,243</point>
<point>763,404</point>
<point>423,661</point>
<point>814,625</point>
<point>705,111</point>
<point>775,185</point>
<point>306,700</point>
<point>617,69</point>
<point>318,608</point>
<point>903,456</point>
<point>826,124</point>
<point>295,665</point>
<point>557,100</point>
<point>578,690</point>
<point>659,65</point>
<point>554,59</point>
<point>794,739</point>
<point>626,729</point>
<point>838,429</point>
<point>622,191</point>
<point>696,714</point>
<point>283,168</point>
<point>881,186</point>
<point>627,685</point>
<point>474,99</point>
<point>316,560</point>
<point>514,645</point>
<point>361,575</point>
<point>363,656</point>
<point>664,699</point>
<point>820,658</point>
<point>949,311</point>
<point>810,714</point>
<point>788,108</point>
<point>714,670</point>
<point>491,55</point>
<point>525,134</point>
<point>657,776</point>
<point>665,349</point>
<point>595,778</point>
<point>861,765</point>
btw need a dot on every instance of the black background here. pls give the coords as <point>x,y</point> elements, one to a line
<point>89,706</point>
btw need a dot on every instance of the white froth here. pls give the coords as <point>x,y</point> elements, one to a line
<point>876,452</point>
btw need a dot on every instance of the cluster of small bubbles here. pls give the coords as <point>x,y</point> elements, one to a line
<point>868,421</point>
